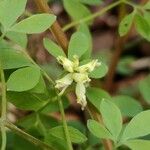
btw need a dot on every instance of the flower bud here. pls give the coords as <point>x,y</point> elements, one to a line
<point>80,93</point>
<point>66,63</point>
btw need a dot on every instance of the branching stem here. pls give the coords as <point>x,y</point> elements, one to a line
<point>92,16</point>
<point>4,108</point>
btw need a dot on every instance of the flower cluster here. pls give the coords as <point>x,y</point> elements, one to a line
<point>77,74</point>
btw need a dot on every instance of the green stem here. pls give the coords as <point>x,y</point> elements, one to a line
<point>2,36</point>
<point>59,101</point>
<point>92,16</point>
<point>26,136</point>
<point>4,109</point>
<point>65,124</point>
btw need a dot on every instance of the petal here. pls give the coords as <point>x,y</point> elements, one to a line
<point>89,67</point>
<point>66,63</point>
<point>64,82</point>
<point>75,61</point>
<point>81,77</point>
<point>80,93</point>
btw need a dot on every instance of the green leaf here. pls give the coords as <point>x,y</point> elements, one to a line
<point>23,79</point>
<point>147,16</point>
<point>53,48</point>
<point>99,72</point>
<point>111,116</point>
<point>27,101</point>
<point>71,6</point>
<point>138,144</point>
<point>54,107</point>
<point>95,96</point>
<point>128,105</point>
<point>91,2</point>
<point>139,126</point>
<point>10,10</point>
<point>47,121</point>
<point>144,87</point>
<point>142,26</point>
<point>19,143</point>
<point>75,135</point>
<point>125,24</point>
<point>55,142</point>
<point>40,87</point>
<point>78,45</point>
<point>34,24</point>
<point>85,30</point>
<point>98,130</point>
<point>124,65</point>
<point>11,59</point>
<point>18,38</point>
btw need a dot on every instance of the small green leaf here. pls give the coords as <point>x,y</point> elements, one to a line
<point>142,26</point>
<point>91,2</point>
<point>23,79</point>
<point>75,135</point>
<point>53,48</point>
<point>124,65</point>
<point>85,30</point>
<point>128,105</point>
<point>40,87</point>
<point>125,24</point>
<point>144,87</point>
<point>71,6</point>
<point>147,16</point>
<point>95,96</point>
<point>11,59</point>
<point>112,117</point>
<point>55,142</point>
<point>78,45</point>
<point>54,107</point>
<point>27,101</point>
<point>34,24</point>
<point>18,38</point>
<point>138,144</point>
<point>139,126</point>
<point>98,130</point>
<point>99,72</point>
<point>10,10</point>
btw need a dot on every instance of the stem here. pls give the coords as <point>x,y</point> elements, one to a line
<point>27,136</point>
<point>2,36</point>
<point>4,109</point>
<point>92,16</point>
<point>119,45</point>
<point>94,115</point>
<point>55,28</point>
<point>65,124</point>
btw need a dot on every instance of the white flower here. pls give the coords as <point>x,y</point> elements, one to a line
<point>66,63</point>
<point>63,83</point>
<point>78,74</point>
<point>89,67</point>
<point>80,93</point>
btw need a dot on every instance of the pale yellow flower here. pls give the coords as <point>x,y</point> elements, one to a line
<point>78,74</point>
